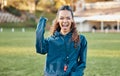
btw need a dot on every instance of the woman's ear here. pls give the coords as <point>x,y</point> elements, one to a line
<point>56,19</point>
<point>72,21</point>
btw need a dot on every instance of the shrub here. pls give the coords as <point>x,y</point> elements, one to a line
<point>12,10</point>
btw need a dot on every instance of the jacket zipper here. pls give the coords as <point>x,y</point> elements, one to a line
<point>66,58</point>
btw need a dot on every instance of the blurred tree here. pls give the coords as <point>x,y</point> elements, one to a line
<point>45,5</point>
<point>90,1</point>
<point>3,3</point>
<point>24,4</point>
<point>58,3</point>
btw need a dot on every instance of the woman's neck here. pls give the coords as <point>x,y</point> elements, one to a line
<point>64,32</point>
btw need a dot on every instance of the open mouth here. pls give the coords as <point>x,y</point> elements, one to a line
<point>65,25</point>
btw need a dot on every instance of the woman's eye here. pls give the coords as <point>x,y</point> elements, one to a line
<point>68,18</point>
<point>61,18</point>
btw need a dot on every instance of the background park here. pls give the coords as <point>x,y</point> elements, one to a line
<point>18,21</point>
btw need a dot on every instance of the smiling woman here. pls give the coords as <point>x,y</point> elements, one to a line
<point>66,50</point>
<point>65,20</point>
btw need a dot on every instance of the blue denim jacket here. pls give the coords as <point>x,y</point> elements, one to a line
<point>61,52</point>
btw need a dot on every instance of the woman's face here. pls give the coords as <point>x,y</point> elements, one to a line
<point>65,19</point>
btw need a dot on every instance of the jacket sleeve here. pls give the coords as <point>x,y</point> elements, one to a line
<point>79,71</point>
<point>41,43</point>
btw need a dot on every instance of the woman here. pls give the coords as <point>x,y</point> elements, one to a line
<point>65,49</point>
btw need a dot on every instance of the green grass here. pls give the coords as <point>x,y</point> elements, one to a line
<point>101,41</point>
<point>103,54</point>
<point>18,56</point>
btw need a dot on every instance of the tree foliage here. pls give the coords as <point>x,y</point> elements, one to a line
<point>90,1</point>
<point>58,3</point>
<point>44,5</point>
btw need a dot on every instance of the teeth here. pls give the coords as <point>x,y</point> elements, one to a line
<point>65,25</point>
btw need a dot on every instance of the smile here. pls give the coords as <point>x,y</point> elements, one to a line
<point>65,25</point>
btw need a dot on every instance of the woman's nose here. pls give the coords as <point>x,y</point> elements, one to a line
<point>65,20</point>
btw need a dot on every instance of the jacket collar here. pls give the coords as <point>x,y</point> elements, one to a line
<point>57,33</point>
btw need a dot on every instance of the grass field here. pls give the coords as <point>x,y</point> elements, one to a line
<point>18,56</point>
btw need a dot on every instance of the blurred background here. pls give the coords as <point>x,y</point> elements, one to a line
<point>98,20</point>
<point>90,15</point>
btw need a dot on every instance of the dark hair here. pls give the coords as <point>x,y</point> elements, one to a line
<point>66,7</point>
